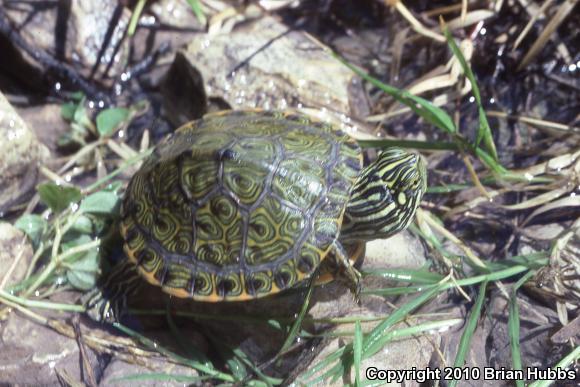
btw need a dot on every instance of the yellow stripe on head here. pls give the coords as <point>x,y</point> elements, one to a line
<point>385,196</point>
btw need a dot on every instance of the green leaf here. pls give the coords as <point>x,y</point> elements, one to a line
<point>101,202</point>
<point>67,111</point>
<point>83,266</point>
<point>114,186</point>
<point>83,225</point>
<point>58,197</point>
<point>71,240</point>
<point>81,117</point>
<point>109,120</point>
<point>82,273</point>
<point>32,225</point>
<point>77,96</point>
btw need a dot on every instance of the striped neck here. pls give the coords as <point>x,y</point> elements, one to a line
<point>385,196</point>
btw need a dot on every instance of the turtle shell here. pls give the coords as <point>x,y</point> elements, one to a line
<point>239,204</point>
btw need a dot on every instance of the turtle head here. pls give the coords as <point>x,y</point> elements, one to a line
<point>385,196</point>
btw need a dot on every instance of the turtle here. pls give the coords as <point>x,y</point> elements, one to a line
<point>243,204</point>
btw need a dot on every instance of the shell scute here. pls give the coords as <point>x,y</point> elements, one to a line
<point>198,177</point>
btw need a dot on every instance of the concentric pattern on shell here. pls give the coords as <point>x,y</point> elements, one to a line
<point>239,204</point>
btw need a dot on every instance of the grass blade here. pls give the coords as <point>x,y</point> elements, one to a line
<point>432,114</point>
<point>298,322</point>
<point>566,362</point>
<point>357,352</point>
<point>137,11</point>
<point>422,277</point>
<point>514,326</point>
<point>420,106</point>
<point>469,330</point>
<point>160,377</point>
<point>484,131</point>
<point>198,11</point>
<point>371,344</point>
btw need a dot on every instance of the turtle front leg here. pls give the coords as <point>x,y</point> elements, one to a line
<point>108,301</point>
<point>346,273</point>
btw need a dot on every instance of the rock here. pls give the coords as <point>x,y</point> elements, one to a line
<point>75,32</point>
<point>40,351</point>
<point>120,373</point>
<point>402,250</point>
<point>15,254</point>
<point>260,64</point>
<point>46,122</point>
<point>20,155</point>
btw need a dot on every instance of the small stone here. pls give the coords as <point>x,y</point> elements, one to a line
<point>15,254</point>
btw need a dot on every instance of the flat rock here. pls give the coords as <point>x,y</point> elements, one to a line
<point>40,351</point>
<point>20,156</point>
<point>259,64</point>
